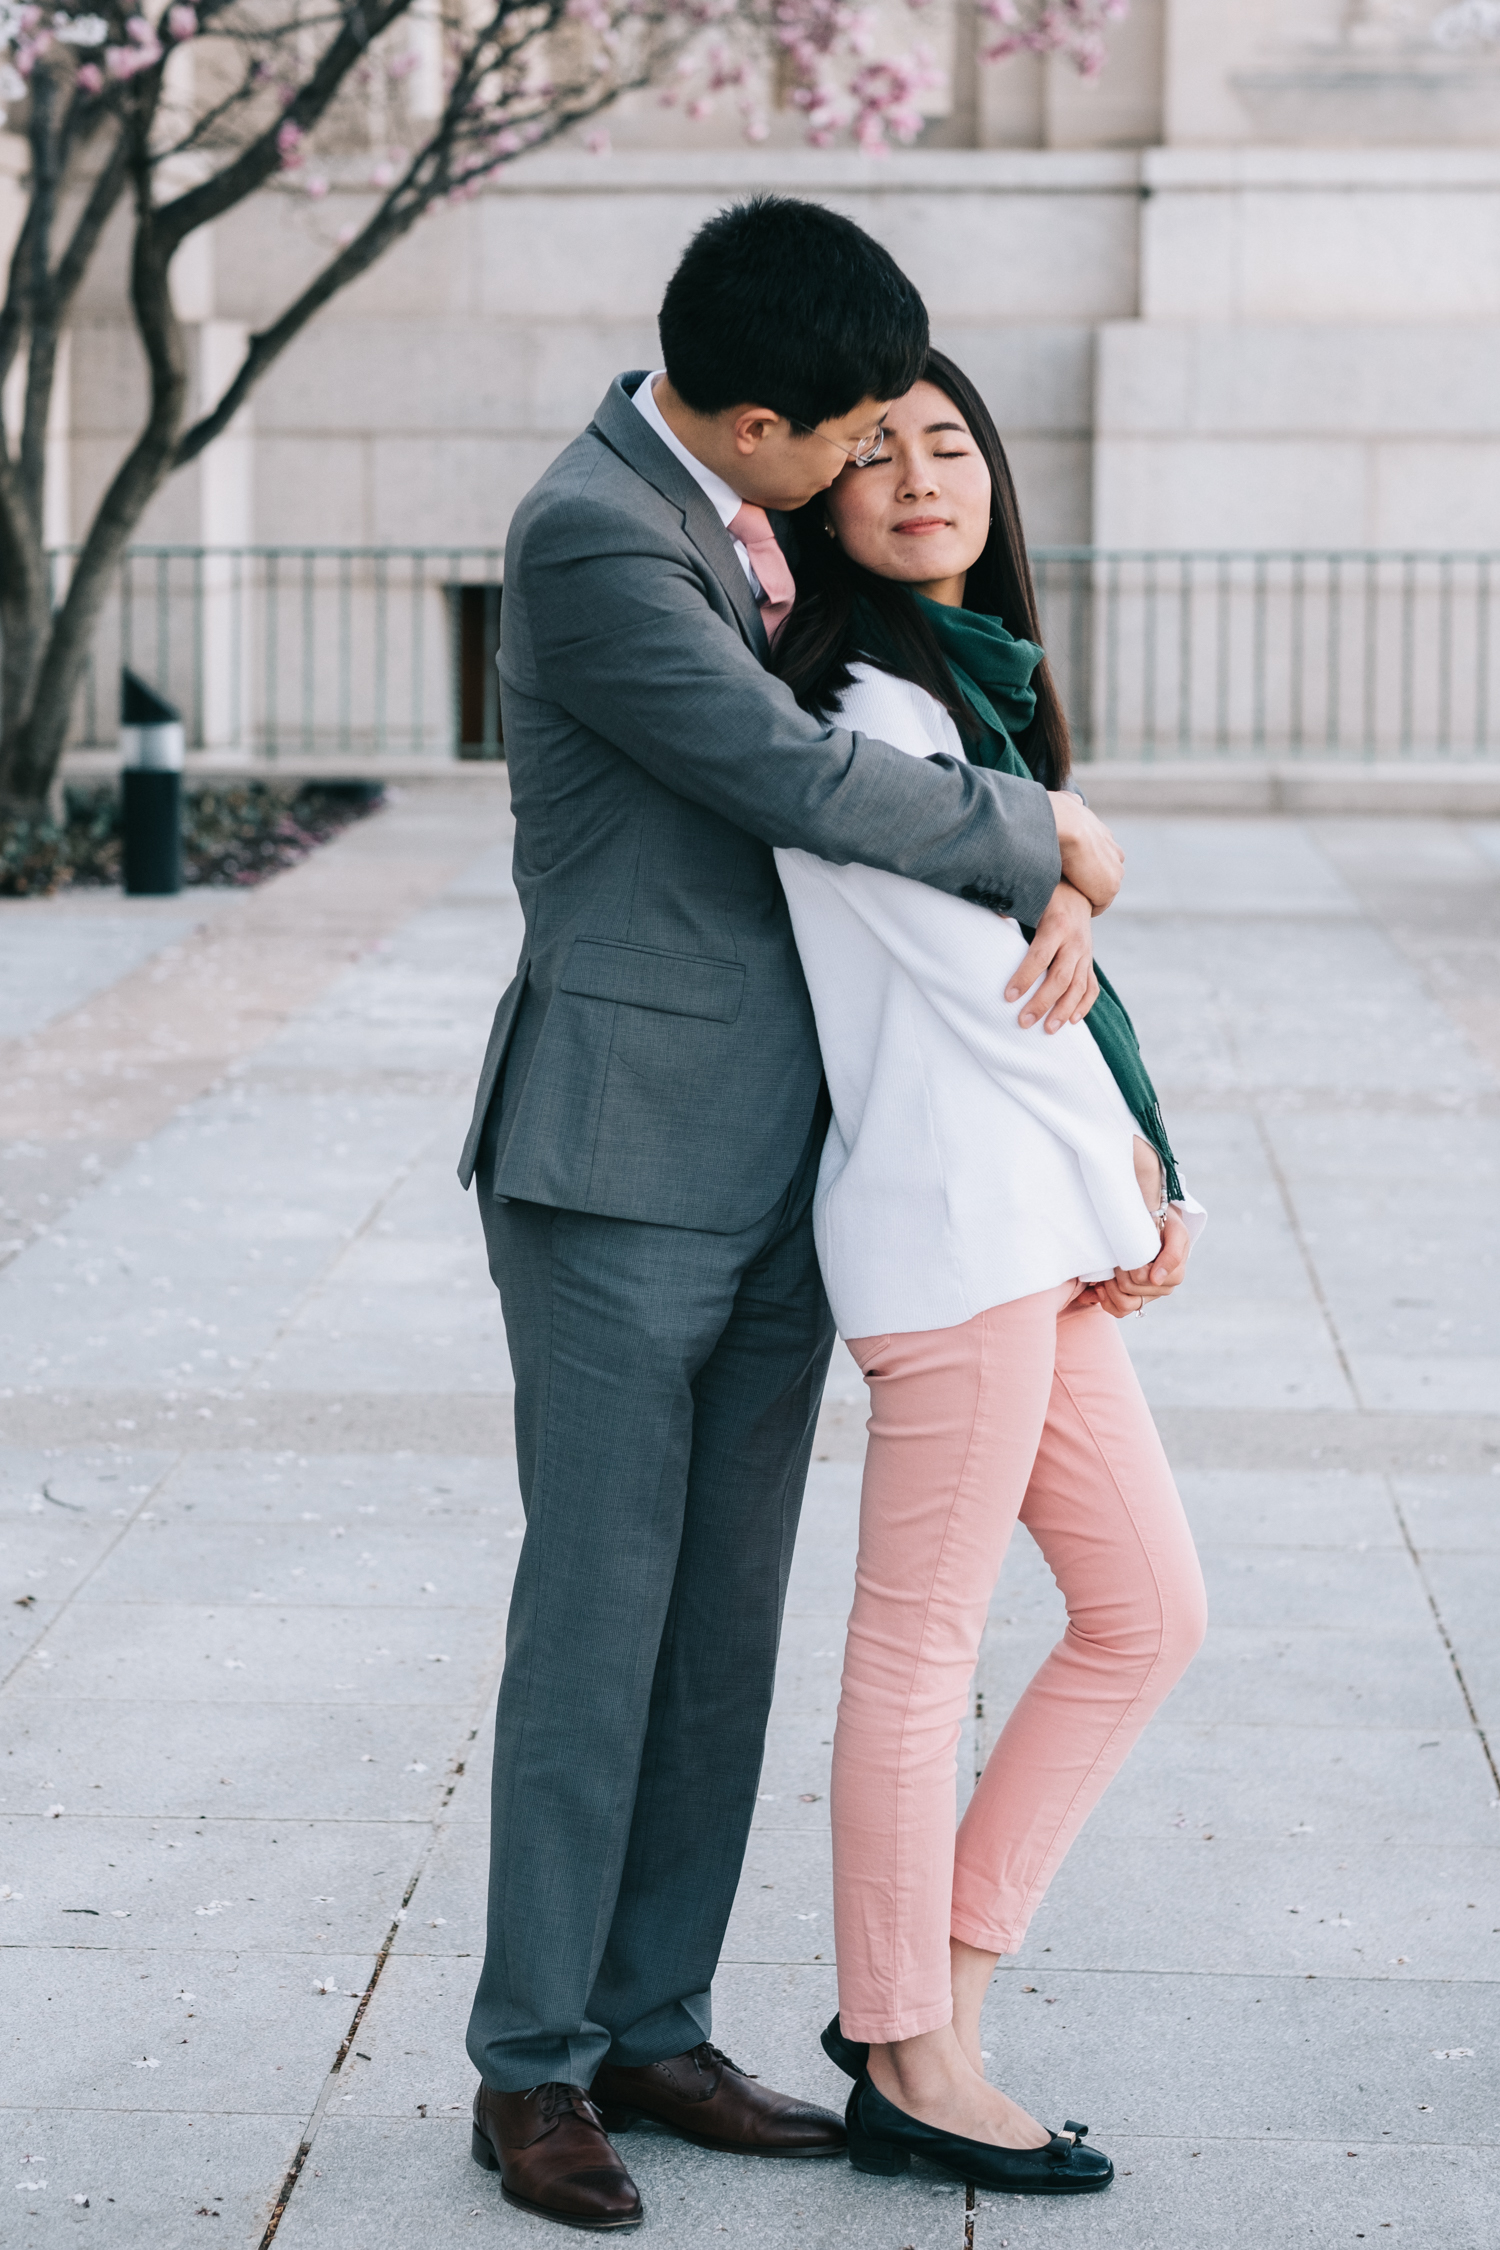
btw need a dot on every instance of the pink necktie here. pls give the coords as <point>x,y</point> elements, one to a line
<point>752,528</point>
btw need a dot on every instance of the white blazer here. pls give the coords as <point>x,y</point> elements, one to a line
<point>969,1162</point>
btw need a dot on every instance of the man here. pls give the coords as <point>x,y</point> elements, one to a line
<point>646,1139</point>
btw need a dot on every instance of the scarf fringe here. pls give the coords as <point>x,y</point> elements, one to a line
<point>1154,1130</point>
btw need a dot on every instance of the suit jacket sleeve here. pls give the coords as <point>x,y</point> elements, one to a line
<point>615,627</point>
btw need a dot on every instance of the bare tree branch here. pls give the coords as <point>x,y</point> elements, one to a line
<point>257,164</point>
<point>109,185</point>
<point>429,179</point>
<point>13,318</point>
<point>137,477</point>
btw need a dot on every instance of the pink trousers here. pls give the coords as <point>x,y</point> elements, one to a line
<point>1030,1409</point>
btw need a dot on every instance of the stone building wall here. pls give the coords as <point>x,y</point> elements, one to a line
<point>1242,290</point>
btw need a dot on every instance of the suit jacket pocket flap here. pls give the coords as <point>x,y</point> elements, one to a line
<point>677,984</point>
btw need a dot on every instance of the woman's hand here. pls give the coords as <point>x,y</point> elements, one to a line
<point>1062,954</point>
<point>1130,1291</point>
<point>1091,859</point>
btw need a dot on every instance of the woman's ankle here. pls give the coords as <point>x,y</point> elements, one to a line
<point>907,2070</point>
<point>971,1971</point>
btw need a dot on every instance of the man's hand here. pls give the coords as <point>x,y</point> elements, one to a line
<point>1091,859</point>
<point>1062,954</point>
<point>1132,1292</point>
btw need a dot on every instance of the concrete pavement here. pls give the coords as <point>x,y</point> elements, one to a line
<point>258,1517</point>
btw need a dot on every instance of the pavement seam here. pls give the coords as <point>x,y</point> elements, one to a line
<point>1304,1248</point>
<point>28,1654</point>
<point>320,2107</point>
<point>1446,1638</point>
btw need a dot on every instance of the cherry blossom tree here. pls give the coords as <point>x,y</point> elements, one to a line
<point>164,122</point>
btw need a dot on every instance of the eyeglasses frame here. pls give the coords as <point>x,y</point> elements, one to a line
<point>855,453</point>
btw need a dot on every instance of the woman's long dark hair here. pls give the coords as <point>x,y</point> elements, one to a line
<point>819,642</point>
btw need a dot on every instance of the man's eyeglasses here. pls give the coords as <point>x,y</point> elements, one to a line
<point>868,449</point>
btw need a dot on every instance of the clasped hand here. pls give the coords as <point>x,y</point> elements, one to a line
<point>1062,953</point>
<point>1062,956</point>
<point>1131,1290</point>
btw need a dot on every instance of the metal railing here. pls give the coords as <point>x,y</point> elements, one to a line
<point>1286,654</point>
<point>340,653</point>
<point>360,653</point>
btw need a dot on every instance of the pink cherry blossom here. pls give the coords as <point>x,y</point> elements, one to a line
<point>128,62</point>
<point>91,78</point>
<point>182,21</point>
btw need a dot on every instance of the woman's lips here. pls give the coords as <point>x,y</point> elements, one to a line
<point>915,526</point>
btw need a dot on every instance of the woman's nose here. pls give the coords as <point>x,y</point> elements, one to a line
<point>917,481</point>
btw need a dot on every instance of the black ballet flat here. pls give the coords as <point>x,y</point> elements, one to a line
<point>883,2140</point>
<point>851,2056</point>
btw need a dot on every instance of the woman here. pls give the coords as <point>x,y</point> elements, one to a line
<point>991,1193</point>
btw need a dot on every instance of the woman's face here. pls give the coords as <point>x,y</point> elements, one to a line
<point>920,512</point>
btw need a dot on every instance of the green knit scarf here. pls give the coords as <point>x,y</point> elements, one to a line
<point>992,671</point>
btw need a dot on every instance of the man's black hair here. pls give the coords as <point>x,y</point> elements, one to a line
<point>784,304</point>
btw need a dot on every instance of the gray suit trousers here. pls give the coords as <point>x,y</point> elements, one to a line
<point>667,1387</point>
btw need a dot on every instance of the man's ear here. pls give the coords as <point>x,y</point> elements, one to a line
<point>750,427</point>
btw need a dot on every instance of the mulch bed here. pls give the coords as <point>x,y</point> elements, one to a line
<point>233,833</point>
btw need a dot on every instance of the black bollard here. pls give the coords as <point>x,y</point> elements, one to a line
<point>151,831</point>
<point>150,790</point>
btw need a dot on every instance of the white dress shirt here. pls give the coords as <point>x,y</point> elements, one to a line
<point>969,1162</point>
<point>722,497</point>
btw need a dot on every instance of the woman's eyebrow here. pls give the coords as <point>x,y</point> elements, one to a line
<point>933,428</point>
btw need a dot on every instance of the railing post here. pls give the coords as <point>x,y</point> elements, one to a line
<point>346,658</point>
<point>1222,628</point>
<point>1184,656</point>
<point>273,651</point>
<point>418,563</point>
<point>1294,706</point>
<point>1408,651</point>
<point>308,703</point>
<point>1444,743</point>
<point>1482,657</point>
<point>1334,656</point>
<point>1372,650</point>
<point>382,651</point>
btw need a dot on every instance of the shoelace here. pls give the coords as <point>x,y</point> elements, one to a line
<point>557,2097</point>
<point>706,2053</point>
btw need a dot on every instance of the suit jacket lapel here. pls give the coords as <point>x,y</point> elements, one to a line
<point>623,430</point>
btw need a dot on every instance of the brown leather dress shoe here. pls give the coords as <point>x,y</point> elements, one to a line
<point>549,2149</point>
<point>704,2097</point>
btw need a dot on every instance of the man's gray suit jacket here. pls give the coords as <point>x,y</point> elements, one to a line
<point>669,1053</point>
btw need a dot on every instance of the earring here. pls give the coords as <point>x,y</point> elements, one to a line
<point>832,534</point>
